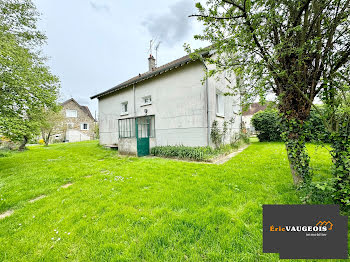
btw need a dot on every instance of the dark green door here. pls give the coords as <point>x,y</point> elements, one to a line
<point>142,135</point>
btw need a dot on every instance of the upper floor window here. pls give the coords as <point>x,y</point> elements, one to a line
<point>84,126</point>
<point>124,110</point>
<point>71,113</point>
<point>220,105</point>
<point>147,100</point>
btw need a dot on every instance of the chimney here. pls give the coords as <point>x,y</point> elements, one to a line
<point>151,63</point>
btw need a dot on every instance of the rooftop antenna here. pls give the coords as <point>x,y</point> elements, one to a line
<point>150,46</point>
<point>157,47</point>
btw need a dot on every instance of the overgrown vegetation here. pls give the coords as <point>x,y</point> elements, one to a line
<point>196,153</point>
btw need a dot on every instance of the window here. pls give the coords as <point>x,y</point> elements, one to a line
<point>84,126</point>
<point>71,113</point>
<point>126,127</point>
<point>124,110</point>
<point>147,100</point>
<point>220,105</point>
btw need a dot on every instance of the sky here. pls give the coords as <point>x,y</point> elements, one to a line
<point>94,45</point>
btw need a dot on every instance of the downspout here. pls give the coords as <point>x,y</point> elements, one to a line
<point>133,88</point>
<point>207,105</point>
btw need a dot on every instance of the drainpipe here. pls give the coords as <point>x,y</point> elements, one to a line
<point>133,88</point>
<point>207,106</point>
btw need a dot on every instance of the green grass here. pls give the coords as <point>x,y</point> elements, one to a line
<point>141,209</point>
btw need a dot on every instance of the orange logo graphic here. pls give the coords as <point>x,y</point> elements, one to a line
<point>325,223</point>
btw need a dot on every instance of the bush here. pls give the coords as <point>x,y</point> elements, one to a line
<point>315,129</point>
<point>194,153</point>
<point>183,152</point>
<point>267,125</point>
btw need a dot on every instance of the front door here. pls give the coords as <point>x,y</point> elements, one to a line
<point>142,135</point>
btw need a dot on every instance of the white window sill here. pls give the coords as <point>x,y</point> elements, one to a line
<point>220,115</point>
<point>146,104</point>
<point>124,114</point>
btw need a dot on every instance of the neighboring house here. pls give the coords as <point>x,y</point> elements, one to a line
<point>78,124</point>
<point>247,116</point>
<point>168,105</point>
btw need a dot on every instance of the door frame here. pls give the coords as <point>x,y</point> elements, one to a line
<point>142,143</point>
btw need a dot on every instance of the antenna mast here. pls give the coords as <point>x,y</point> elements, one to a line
<point>157,47</point>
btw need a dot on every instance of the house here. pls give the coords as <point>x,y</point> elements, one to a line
<point>168,105</point>
<point>248,114</point>
<point>78,123</point>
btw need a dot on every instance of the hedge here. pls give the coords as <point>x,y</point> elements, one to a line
<point>267,123</point>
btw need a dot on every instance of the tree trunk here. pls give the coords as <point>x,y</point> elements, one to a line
<point>341,171</point>
<point>23,145</point>
<point>47,139</point>
<point>296,155</point>
<point>294,139</point>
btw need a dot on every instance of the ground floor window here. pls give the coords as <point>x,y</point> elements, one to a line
<point>145,127</point>
<point>126,127</point>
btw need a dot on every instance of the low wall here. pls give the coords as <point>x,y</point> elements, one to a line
<point>127,146</point>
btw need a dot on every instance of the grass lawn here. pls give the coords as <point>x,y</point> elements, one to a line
<point>141,209</point>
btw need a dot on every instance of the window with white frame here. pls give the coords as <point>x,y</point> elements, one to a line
<point>220,105</point>
<point>84,126</point>
<point>71,113</point>
<point>146,100</point>
<point>124,110</point>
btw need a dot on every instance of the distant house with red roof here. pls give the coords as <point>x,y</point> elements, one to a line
<point>248,114</point>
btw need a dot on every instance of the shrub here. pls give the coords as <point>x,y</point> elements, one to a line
<point>315,129</point>
<point>267,125</point>
<point>194,153</point>
<point>215,134</point>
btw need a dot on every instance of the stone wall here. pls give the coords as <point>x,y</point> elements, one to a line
<point>75,123</point>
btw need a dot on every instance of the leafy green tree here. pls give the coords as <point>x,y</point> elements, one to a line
<point>295,49</point>
<point>26,83</point>
<point>51,121</point>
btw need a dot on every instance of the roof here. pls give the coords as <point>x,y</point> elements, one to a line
<point>83,108</point>
<point>141,77</point>
<point>254,108</point>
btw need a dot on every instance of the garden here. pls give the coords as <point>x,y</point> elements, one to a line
<point>82,202</point>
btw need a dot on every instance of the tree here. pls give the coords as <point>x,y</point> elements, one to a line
<point>51,120</point>
<point>338,116</point>
<point>26,83</point>
<point>293,48</point>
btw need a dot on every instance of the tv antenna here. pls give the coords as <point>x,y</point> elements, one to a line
<point>151,42</point>
<point>157,47</point>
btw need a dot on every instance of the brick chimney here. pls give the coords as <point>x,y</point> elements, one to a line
<point>151,63</point>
